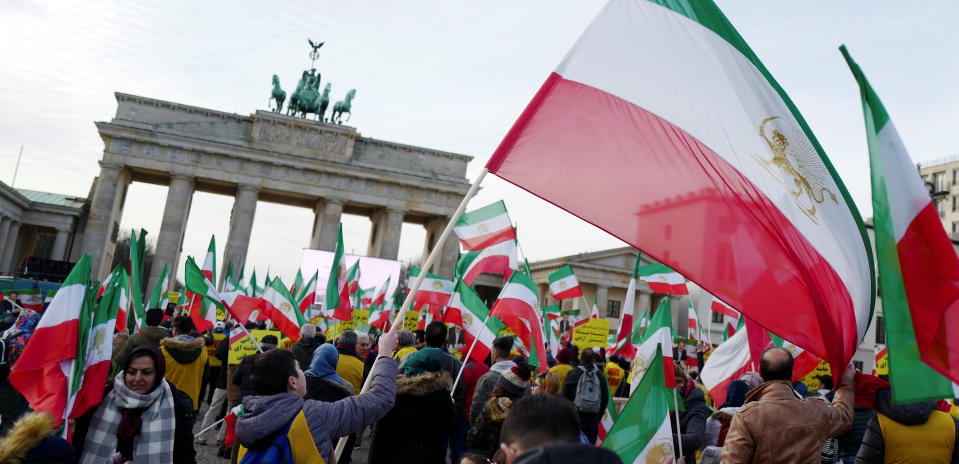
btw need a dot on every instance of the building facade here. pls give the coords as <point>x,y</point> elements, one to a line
<point>941,176</point>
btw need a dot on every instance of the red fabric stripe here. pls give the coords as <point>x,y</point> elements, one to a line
<point>243,306</point>
<point>930,273</point>
<point>487,240</point>
<point>37,374</point>
<point>512,312</point>
<point>574,292</point>
<point>121,324</point>
<point>91,392</point>
<point>718,393</point>
<point>494,264</point>
<point>480,351</point>
<point>724,310</point>
<point>664,192</point>
<point>432,298</point>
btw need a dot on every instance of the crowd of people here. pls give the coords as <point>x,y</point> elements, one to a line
<point>424,405</point>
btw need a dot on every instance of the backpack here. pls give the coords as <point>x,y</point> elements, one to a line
<point>588,397</point>
<point>278,449</point>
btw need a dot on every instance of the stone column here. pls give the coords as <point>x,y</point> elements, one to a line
<point>385,234</point>
<point>60,245</point>
<point>542,291</point>
<point>326,225</point>
<point>445,261</point>
<point>4,231</point>
<point>241,224</point>
<point>642,304</point>
<point>103,222</point>
<point>179,197</point>
<point>10,248</point>
<point>602,294</point>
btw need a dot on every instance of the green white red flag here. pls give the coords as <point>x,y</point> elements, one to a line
<point>39,375</point>
<point>31,298</point>
<point>696,330</point>
<point>729,361</point>
<point>484,227</point>
<point>297,286</point>
<point>659,333</point>
<point>337,290</point>
<point>689,135</point>
<point>642,433</point>
<point>495,259</point>
<point>518,308</point>
<point>283,311</point>
<point>434,290</point>
<point>255,290</point>
<point>204,313</point>
<point>662,279</point>
<point>308,295</point>
<point>137,315</point>
<point>918,266</point>
<point>160,292</point>
<point>467,310</point>
<point>563,284</point>
<point>623,345</point>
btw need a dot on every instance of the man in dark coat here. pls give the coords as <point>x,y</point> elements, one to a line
<point>304,347</point>
<point>692,421</point>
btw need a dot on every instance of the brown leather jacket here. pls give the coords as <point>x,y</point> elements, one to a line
<point>775,426</point>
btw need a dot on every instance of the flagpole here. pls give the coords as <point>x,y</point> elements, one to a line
<point>424,269</point>
<point>201,432</point>
<point>466,358</point>
<point>679,432</point>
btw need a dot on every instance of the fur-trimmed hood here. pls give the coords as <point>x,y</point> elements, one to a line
<point>424,384</point>
<point>499,408</point>
<point>31,438</point>
<point>183,351</point>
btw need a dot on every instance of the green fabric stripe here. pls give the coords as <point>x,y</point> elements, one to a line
<point>663,317</point>
<point>482,214</point>
<point>643,414</point>
<point>912,380</point>
<point>636,266</point>
<point>706,13</point>
<point>561,273</point>
<point>332,283</point>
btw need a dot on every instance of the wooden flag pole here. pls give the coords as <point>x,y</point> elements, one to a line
<point>424,269</point>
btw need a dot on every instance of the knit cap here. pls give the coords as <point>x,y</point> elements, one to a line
<point>515,380</point>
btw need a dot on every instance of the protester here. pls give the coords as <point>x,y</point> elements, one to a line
<point>32,439</point>
<point>10,303</point>
<point>564,362</point>
<point>499,354</point>
<point>544,429</point>
<point>217,408</point>
<point>212,372</point>
<point>243,376</point>
<point>148,334</point>
<point>717,426</point>
<point>143,417</point>
<point>304,347</point>
<point>483,436</point>
<point>614,374</point>
<point>322,381</point>
<point>186,358</point>
<point>12,403</point>
<point>472,372</point>
<point>424,407</point>
<point>774,426</point>
<point>546,383</point>
<point>753,379</point>
<point>851,440</point>
<point>281,385</point>
<point>419,338</point>
<point>406,343</point>
<point>914,432</point>
<point>350,365</point>
<point>692,417</point>
<point>585,387</point>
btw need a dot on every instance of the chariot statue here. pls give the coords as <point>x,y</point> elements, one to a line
<point>343,106</point>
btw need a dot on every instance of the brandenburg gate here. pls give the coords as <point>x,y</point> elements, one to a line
<point>266,156</point>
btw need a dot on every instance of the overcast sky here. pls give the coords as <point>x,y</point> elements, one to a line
<point>445,75</point>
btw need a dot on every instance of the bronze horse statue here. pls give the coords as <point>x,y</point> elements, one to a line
<point>343,106</point>
<point>306,99</point>
<point>324,102</point>
<point>278,95</point>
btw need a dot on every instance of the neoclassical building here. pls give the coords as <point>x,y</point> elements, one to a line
<point>38,224</point>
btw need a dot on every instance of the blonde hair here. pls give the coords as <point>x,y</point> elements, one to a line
<point>549,382</point>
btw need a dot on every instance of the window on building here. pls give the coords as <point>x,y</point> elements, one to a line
<point>857,365</point>
<point>939,181</point>
<point>880,330</point>
<point>941,207</point>
<point>955,177</point>
<point>612,308</point>
<point>716,318</point>
<point>955,227</point>
<point>955,202</point>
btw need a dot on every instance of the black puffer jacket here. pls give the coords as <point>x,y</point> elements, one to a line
<point>850,441</point>
<point>415,430</point>
<point>572,383</point>
<point>873,444</point>
<point>692,422</point>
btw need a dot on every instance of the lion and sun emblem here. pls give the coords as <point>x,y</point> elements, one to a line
<point>796,164</point>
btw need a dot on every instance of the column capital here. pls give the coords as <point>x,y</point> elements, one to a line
<point>333,200</point>
<point>248,188</point>
<point>183,177</point>
<point>109,165</point>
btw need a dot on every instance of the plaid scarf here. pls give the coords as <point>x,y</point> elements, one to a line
<point>153,443</point>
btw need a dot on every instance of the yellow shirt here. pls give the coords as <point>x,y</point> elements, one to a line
<point>185,377</point>
<point>614,376</point>
<point>402,352</point>
<point>561,370</point>
<point>351,369</point>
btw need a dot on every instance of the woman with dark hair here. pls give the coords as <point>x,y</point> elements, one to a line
<point>483,436</point>
<point>142,418</point>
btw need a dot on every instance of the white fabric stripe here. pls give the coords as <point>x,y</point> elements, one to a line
<point>731,356</point>
<point>490,225</point>
<point>64,307</point>
<point>907,195</point>
<point>684,73</point>
<point>519,292</point>
<point>564,284</point>
<point>672,278</point>
<point>102,333</point>
<point>663,435</point>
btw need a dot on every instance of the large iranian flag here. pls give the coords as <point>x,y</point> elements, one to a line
<point>495,259</point>
<point>473,313</point>
<point>642,433</point>
<point>137,315</point>
<point>728,362</point>
<point>918,266</point>
<point>699,158</point>
<point>41,373</point>
<point>204,313</point>
<point>485,227</point>
<point>662,279</point>
<point>659,333</point>
<point>434,290</point>
<point>518,308</point>
<point>563,283</point>
<point>96,343</point>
